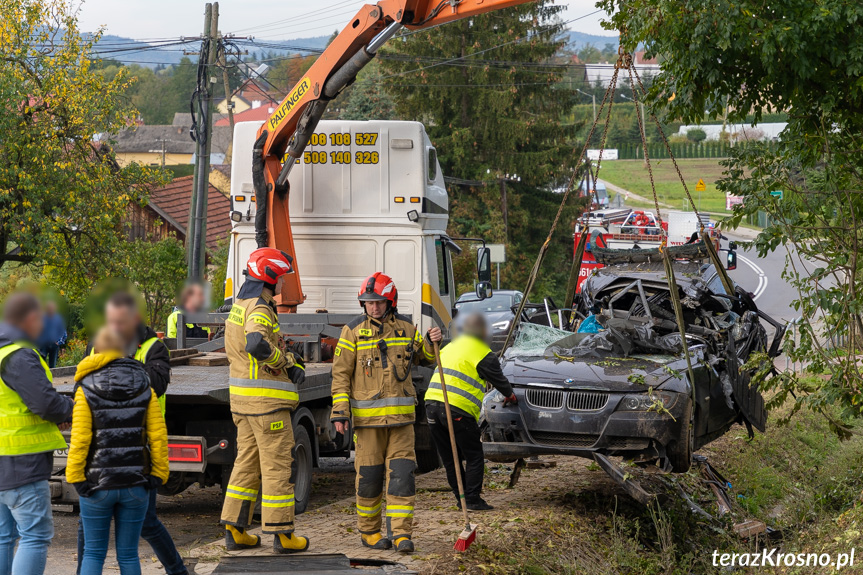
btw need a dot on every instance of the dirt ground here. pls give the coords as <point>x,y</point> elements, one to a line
<point>192,518</point>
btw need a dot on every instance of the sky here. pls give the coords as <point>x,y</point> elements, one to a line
<point>263,19</point>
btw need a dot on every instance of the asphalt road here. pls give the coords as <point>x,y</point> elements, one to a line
<point>763,278</point>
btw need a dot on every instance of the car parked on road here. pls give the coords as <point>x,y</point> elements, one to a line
<point>625,390</point>
<point>499,310</point>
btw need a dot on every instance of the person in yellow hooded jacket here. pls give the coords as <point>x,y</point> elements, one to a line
<point>118,451</point>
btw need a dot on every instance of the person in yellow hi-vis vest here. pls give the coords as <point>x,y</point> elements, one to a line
<point>469,364</point>
<point>123,316</point>
<point>373,387</point>
<point>30,410</point>
<point>263,387</point>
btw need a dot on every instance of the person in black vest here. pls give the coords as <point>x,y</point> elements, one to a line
<point>118,452</point>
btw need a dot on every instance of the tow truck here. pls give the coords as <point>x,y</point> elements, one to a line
<point>367,196</point>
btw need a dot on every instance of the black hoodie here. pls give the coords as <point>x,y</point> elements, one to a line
<point>23,373</point>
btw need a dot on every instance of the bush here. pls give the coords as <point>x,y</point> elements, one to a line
<point>696,135</point>
<point>72,353</point>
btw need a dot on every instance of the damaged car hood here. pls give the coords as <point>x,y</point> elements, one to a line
<point>632,374</point>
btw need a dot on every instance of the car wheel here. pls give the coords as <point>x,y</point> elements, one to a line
<point>679,451</point>
<point>301,469</point>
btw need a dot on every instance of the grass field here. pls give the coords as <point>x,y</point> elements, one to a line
<point>632,175</point>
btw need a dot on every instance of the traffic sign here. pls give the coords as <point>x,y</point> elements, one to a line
<point>700,187</point>
<point>497,253</point>
<point>776,194</point>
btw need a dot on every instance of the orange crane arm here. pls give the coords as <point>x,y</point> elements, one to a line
<point>287,131</point>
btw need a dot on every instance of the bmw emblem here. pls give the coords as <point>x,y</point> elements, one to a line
<point>570,380</point>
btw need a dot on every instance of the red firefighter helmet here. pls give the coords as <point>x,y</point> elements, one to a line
<point>379,287</point>
<point>267,264</point>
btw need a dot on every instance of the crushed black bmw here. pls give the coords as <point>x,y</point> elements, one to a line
<point>624,389</point>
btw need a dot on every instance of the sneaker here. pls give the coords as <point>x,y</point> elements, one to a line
<point>376,541</point>
<point>404,545</point>
<point>479,505</point>
<point>289,543</point>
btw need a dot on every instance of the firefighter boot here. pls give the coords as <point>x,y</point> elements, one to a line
<point>289,543</point>
<point>236,539</point>
<point>404,545</point>
<point>376,541</point>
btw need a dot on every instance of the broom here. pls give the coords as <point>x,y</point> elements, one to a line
<point>468,534</point>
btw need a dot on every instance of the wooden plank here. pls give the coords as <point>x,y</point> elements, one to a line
<point>208,360</point>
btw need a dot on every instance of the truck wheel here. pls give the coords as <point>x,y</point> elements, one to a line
<point>427,460</point>
<point>679,451</point>
<point>301,469</point>
<point>175,485</point>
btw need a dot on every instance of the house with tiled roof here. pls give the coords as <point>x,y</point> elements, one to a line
<point>167,214</point>
<point>165,145</point>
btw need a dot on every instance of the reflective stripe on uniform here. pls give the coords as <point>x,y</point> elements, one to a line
<point>277,501</point>
<point>345,344</point>
<point>465,388</point>
<point>341,397</point>
<point>261,319</point>
<point>382,407</point>
<point>452,389</point>
<point>390,341</point>
<point>263,388</point>
<point>241,493</point>
<point>400,511</point>
<point>369,511</point>
<point>141,355</point>
<point>253,367</point>
<point>276,357</point>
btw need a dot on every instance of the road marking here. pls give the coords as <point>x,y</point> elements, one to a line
<point>762,277</point>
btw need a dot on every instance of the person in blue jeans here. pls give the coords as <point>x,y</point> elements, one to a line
<point>124,317</point>
<point>118,452</point>
<point>30,411</point>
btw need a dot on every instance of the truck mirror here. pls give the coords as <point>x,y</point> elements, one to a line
<point>483,290</point>
<point>731,260</point>
<point>483,265</point>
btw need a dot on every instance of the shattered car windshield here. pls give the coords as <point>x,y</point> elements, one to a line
<point>620,339</point>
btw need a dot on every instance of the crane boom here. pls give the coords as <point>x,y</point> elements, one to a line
<point>284,136</point>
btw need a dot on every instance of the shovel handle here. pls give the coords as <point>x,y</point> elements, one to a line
<point>453,445</point>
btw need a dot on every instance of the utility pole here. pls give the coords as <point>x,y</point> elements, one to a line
<point>223,63</point>
<point>162,152</point>
<point>593,97</point>
<point>196,233</point>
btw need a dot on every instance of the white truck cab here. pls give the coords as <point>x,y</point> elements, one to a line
<point>365,197</point>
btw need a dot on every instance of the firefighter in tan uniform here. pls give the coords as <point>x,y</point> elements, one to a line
<point>263,385</point>
<point>372,386</point>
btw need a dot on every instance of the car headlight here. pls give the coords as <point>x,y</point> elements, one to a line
<point>654,401</point>
<point>501,325</point>
<point>495,397</point>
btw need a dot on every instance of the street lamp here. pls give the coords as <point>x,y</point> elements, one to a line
<point>594,101</point>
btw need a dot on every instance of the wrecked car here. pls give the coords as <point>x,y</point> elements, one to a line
<point>624,389</point>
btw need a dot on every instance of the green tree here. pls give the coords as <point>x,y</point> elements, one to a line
<point>804,59</point>
<point>62,197</point>
<point>495,111</point>
<point>367,100</point>
<point>158,270</point>
<point>696,135</point>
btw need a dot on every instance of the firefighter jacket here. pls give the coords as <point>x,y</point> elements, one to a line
<point>372,381</point>
<point>259,381</point>
<point>118,432</point>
